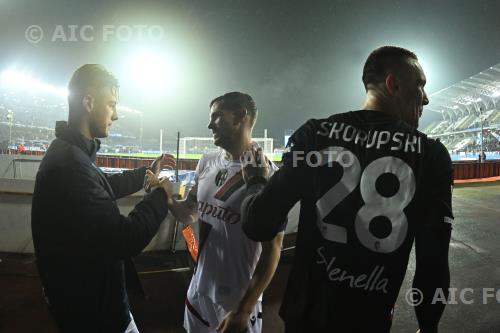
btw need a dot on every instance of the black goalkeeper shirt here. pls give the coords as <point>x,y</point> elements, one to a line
<point>367,183</point>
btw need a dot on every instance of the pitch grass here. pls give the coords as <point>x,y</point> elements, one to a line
<point>274,157</point>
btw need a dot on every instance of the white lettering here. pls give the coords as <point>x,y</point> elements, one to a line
<point>296,158</point>
<point>336,130</point>
<point>488,293</point>
<point>107,30</point>
<point>381,140</point>
<point>410,143</point>
<point>155,33</point>
<point>439,297</point>
<point>317,156</point>
<point>374,282</point>
<point>347,137</point>
<point>374,139</point>
<point>396,138</point>
<point>462,296</point>
<point>324,129</point>
<point>59,34</point>
<point>83,36</point>
<point>361,137</point>
<point>72,33</point>
<point>124,29</point>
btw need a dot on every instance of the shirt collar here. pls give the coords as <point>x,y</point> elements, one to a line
<point>73,136</point>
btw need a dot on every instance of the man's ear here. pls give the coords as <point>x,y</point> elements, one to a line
<point>88,103</point>
<point>240,115</point>
<point>391,84</point>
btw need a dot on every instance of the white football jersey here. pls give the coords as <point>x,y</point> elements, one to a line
<point>227,257</point>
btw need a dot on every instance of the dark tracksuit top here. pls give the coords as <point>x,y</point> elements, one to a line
<point>81,240</point>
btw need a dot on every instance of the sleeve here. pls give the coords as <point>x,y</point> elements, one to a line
<point>127,182</point>
<point>432,275</point>
<point>193,192</point>
<point>439,187</point>
<point>199,169</point>
<point>266,205</point>
<point>98,227</point>
<point>282,228</point>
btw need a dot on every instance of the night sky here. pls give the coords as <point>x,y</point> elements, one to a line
<point>298,59</point>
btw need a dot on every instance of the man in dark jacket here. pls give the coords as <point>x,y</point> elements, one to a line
<point>82,242</point>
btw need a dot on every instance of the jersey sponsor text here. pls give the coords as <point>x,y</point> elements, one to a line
<point>369,282</point>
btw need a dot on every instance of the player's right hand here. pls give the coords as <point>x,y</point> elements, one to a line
<point>234,322</point>
<point>167,187</point>
<point>254,163</point>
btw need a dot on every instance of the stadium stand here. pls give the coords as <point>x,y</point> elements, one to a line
<point>467,109</point>
<point>29,110</point>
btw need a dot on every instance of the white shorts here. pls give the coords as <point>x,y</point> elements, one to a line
<point>201,315</point>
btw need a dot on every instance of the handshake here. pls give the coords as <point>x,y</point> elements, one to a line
<point>152,178</point>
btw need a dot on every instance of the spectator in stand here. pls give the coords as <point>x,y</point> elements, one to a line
<point>21,149</point>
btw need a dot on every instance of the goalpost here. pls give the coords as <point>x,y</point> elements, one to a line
<point>203,145</point>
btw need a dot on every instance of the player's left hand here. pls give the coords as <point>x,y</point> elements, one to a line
<point>234,322</point>
<point>254,163</point>
<point>150,181</point>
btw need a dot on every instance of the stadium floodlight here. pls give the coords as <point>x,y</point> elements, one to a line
<point>152,72</point>
<point>23,81</point>
<point>10,118</point>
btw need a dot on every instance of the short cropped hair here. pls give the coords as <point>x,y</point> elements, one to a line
<point>89,78</point>
<point>382,61</point>
<point>236,100</point>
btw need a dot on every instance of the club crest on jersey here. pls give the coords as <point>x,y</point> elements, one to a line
<point>230,186</point>
<point>221,177</point>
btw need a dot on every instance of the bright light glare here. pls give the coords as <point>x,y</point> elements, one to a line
<point>126,109</point>
<point>426,64</point>
<point>23,81</point>
<point>12,79</point>
<point>152,72</point>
